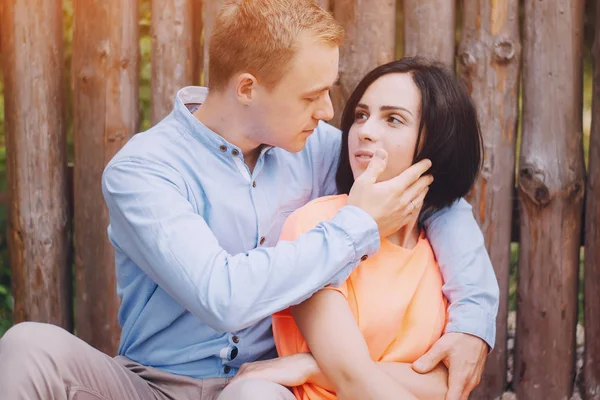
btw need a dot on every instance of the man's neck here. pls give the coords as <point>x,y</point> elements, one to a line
<point>219,116</point>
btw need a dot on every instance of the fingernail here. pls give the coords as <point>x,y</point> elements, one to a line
<point>419,364</point>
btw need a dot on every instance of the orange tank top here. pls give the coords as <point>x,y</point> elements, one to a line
<point>395,296</point>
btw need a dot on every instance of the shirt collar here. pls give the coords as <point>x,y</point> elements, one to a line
<point>191,96</point>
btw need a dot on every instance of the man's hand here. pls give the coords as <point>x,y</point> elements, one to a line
<point>288,371</point>
<point>464,355</point>
<point>392,203</point>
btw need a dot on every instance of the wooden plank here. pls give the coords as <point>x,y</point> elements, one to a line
<point>591,365</point>
<point>363,49</point>
<point>106,112</point>
<point>197,42</point>
<point>326,4</point>
<point>211,11</point>
<point>551,188</point>
<point>489,59</point>
<point>172,58</point>
<point>38,229</point>
<point>429,29</point>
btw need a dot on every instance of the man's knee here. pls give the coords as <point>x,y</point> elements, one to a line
<point>33,338</point>
<point>251,389</point>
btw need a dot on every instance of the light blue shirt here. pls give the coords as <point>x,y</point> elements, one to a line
<point>198,265</point>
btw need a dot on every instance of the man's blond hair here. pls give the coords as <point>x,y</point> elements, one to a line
<point>261,37</point>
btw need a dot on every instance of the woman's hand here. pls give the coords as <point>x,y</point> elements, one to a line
<point>288,371</point>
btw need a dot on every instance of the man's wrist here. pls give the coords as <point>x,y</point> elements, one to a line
<point>307,365</point>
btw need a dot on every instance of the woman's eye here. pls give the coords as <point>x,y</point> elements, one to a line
<point>360,116</point>
<point>394,121</point>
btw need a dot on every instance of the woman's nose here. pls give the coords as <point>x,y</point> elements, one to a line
<point>367,131</point>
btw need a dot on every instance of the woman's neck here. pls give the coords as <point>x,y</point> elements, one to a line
<point>407,236</point>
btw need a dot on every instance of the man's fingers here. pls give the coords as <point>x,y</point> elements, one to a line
<point>376,167</point>
<point>410,175</point>
<point>418,201</point>
<point>457,381</point>
<point>429,360</point>
<point>416,191</point>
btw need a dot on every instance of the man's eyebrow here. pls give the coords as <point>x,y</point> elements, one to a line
<point>323,88</point>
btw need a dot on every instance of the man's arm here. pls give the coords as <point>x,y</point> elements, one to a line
<point>301,368</point>
<point>152,222</point>
<point>471,286</point>
<point>470,282</point>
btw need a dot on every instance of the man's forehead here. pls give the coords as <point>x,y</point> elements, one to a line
<point>313,73</point>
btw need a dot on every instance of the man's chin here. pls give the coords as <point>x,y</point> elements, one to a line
<point>295,147</point>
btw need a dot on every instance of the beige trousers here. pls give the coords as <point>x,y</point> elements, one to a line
<point>42,361</point>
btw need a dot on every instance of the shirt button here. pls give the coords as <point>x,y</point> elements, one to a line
<point>227,369</point>
<point>254,184</point>
<point>262,240</point>
<point>363,258</point>
<point>223,148</point>
<point>233,354</point>
<point>235,339</point>
<point>235,152</point>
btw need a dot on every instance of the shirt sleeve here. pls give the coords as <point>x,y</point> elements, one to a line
<point>154,224</point>
<point>470,282</point>
<point>327,159</point>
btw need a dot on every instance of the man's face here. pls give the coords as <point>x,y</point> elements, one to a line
<point>287,114</point>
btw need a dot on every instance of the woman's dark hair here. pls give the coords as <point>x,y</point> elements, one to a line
<point>448,132</point>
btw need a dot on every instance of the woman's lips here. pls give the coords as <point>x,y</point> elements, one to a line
<point>363,156</point>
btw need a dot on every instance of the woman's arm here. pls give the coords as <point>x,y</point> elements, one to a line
<point>329,328</point>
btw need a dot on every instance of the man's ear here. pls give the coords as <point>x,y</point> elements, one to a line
<point>245,88</point>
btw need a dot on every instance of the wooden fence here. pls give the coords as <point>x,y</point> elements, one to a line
<point>490,55</point>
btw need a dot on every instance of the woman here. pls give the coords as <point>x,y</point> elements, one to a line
<point>358,341</point>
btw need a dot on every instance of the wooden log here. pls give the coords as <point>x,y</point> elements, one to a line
<point>429,29</point>
<point>325,4</point>
<point>172,58</point>
<point>197,42</point>
<point>363,48</point>
<point>211,11</point>
<point>105,74</point>
<point>591,365</point>
<point>489,59</point>
<point>551,188</point>
<point>38,229</point>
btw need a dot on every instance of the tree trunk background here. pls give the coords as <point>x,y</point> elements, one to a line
<point>105,75</point>
<point>489,60</point>
<point>591,368</point>
<point>211,11</point>
<point>430,29</point>
<point>551,187</point>
<point>369,42</point>
<point>172,58</point>
<point>38,228</point>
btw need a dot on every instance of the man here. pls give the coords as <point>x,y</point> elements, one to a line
<point>196,206</point>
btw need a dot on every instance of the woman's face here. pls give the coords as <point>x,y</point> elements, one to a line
<point>386,117</point>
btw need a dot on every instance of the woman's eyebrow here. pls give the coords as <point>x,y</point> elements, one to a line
<point>394,108</point>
